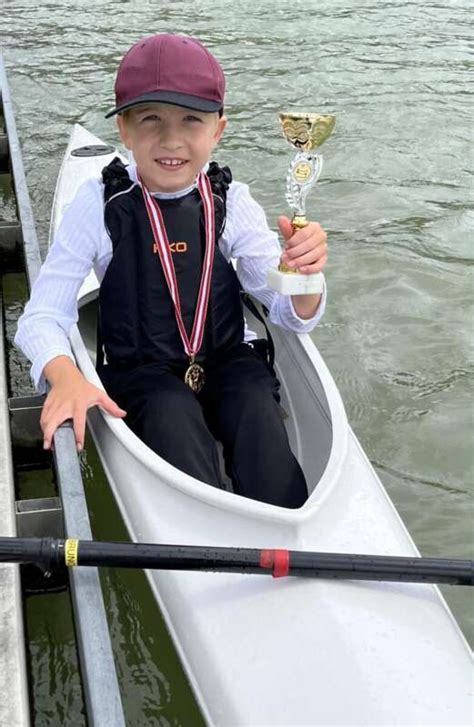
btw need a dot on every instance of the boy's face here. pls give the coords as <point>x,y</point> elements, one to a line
<point>170,144</point>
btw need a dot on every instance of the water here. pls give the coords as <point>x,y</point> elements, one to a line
<point>394,198</point>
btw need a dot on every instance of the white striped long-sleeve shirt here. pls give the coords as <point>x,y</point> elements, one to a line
<point>82,243</point>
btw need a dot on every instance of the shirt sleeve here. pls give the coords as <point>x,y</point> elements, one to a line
<point>49,315</point>
<point>248,239</point>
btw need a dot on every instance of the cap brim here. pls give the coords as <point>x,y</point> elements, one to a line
<point>171,97</point>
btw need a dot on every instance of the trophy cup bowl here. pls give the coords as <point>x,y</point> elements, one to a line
<point>305,132</point>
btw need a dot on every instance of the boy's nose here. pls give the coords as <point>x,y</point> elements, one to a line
<point>170,139</point>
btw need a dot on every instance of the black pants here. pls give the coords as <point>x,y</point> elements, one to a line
<point>238,406</point>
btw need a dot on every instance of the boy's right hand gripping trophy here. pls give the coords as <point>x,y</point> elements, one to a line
<point>305,132</point>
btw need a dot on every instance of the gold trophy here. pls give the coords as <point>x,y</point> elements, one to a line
<point>305,132</point>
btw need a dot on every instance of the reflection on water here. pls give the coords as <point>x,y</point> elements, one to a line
<point>56,690</point>
<point>394,196</point>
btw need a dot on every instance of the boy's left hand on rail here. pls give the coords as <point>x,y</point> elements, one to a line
<point>306,249</point>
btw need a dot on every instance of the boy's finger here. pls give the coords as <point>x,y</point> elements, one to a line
<point>286,228</point>
<point>310,258</point>
<point>304,247</point>
<point>315,267</point>
<point>48,434</point>
<point>80,429</point>
<point>111,407</point>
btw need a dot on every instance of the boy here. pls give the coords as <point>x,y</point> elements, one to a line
<point>160,234</point>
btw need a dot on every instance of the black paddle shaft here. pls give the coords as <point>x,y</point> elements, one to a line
<point>51,552</point>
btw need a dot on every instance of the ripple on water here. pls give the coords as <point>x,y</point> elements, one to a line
<point>422,385</point>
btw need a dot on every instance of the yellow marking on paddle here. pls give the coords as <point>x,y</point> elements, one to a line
<point>71,548</point>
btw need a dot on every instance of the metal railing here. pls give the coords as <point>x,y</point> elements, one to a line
<point>99,677</point>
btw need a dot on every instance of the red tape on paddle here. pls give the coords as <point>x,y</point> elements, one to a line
<point>278,561</point>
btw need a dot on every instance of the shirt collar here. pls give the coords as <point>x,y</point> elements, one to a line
<point>132,172</point>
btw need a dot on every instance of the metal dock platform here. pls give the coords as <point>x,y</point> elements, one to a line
<point>14,702</point>
<point>21,446</point>
<point>14,708</point>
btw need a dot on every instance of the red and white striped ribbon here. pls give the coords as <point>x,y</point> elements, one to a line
<point>193,343</point>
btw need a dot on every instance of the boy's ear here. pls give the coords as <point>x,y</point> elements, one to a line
<point>123,129</point>
<point>221,125</point>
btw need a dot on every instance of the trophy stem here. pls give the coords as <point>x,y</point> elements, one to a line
<point>297,222</point>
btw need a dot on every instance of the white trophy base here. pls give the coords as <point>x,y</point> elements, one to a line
<point>295,283</point>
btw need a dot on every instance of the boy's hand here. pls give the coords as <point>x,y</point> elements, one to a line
<point>306,250</point>
<point>70,397</point>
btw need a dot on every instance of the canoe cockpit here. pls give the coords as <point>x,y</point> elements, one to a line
<point>304,403</point>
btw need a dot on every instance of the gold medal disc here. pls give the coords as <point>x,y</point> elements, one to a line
<point>194,377</point>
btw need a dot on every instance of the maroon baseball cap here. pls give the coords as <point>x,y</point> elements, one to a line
<point>173,69</point>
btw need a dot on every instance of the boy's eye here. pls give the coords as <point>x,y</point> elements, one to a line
<point>150,117</point>
<point>191,117</point>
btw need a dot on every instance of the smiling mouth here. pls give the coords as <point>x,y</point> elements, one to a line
<point>171,163</point>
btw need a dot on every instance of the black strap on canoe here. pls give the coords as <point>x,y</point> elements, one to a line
<point>270,346</point>
<point>99,356</point>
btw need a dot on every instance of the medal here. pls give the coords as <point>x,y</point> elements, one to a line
<point>194,375</point>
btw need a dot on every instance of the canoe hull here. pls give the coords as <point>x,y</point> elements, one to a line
<point>260,651</point>
<point>291,651</point>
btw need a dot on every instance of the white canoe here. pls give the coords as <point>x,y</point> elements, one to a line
<point>259,651</point>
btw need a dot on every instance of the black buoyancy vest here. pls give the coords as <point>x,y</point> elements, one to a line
<point>136,313</point>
